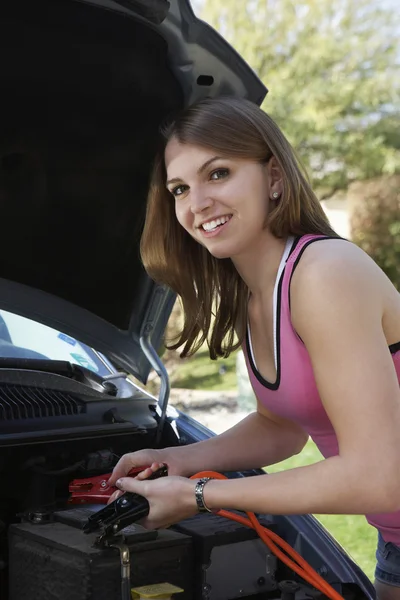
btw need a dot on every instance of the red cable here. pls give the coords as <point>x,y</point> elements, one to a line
<point>294,561</point>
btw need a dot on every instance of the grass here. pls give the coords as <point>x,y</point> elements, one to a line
<point>352,532</point>
<point>200,372</point>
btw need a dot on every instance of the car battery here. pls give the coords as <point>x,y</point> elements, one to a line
<point>57,560</point>
<point>231,561</point>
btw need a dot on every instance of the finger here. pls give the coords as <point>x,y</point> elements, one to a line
<point>146,523</point>
<point>144,474</point>
<point>131,484</point>
<point>149,471</point>
<point>121,469</point>
<point>115,496</point>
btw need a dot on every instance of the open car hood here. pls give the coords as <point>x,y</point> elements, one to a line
<point>85,87</point>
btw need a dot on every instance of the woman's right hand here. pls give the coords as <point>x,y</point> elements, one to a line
<point>146,458</point>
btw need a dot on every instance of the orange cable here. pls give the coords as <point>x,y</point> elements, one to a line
<point>272,540</point>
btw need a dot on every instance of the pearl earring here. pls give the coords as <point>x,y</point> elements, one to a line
<point>275,195</point>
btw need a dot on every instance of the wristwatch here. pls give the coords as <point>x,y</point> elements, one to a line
<point>198,492</point>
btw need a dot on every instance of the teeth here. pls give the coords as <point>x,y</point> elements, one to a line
<point>211,225</point>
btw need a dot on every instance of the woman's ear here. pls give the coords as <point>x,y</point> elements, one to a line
<point>275,178</point>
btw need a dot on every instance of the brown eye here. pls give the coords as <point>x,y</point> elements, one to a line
<point>219,174</point>
<point>179,190</point>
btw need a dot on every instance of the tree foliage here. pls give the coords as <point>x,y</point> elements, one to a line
<point>332,69</point>
<point>375,222</point>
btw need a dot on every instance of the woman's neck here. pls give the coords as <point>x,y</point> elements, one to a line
<point>258,266</point>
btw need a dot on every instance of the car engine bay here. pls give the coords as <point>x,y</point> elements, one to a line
<point>43,552</point>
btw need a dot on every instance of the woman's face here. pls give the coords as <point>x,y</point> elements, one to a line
<point>222,202</point>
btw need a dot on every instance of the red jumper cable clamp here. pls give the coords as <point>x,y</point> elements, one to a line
<point>95,490</point>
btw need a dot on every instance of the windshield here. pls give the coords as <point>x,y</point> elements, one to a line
<point>23,338</point>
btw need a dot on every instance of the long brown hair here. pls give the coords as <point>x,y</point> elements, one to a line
<point>213,295</point>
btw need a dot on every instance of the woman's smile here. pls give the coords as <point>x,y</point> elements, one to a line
<point>214,226</point>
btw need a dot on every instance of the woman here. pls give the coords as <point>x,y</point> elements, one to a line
<point>234,228</point>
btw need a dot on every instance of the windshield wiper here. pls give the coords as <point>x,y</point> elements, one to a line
<point>57,367</point>
<point>63,368</point>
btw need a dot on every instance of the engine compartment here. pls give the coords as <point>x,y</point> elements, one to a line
<point>54,428</point>
<point>43,552</point>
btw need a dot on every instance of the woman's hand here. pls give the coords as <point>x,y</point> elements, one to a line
<point>171,499</point>
<point>145,458</point>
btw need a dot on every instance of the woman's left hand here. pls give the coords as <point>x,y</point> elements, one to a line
<point>171,499</point>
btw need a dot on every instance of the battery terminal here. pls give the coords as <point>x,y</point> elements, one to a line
<point>157,591</point>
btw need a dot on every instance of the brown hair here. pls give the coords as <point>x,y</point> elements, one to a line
<point>213,295</point>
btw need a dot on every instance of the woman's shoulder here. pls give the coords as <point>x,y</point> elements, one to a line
<point>333,269</point>
<point>330,257</point>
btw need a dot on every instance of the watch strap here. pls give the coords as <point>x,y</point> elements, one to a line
<point>199,495</point>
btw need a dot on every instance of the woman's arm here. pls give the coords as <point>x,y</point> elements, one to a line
<point>337,310</point>
<point>260,439</point>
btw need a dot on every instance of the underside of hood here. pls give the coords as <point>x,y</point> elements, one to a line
<point>85,87</point>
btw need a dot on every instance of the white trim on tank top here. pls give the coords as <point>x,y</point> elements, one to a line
<point>285,255</point>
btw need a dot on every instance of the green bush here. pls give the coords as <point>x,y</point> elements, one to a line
<point>375,222</point>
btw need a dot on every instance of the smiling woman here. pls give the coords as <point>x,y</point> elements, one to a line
<point>233,226</point>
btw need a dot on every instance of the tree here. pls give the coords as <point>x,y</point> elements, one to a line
<point>375,221</point>
<point>332,69</point>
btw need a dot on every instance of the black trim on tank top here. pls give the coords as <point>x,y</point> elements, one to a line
<point>394,348</point>
<point>260,378</point>
<point>296,262</point>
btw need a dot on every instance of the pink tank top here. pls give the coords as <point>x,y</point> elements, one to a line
<point>294,394</point>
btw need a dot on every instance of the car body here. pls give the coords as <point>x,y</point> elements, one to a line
<point>88,83</point>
